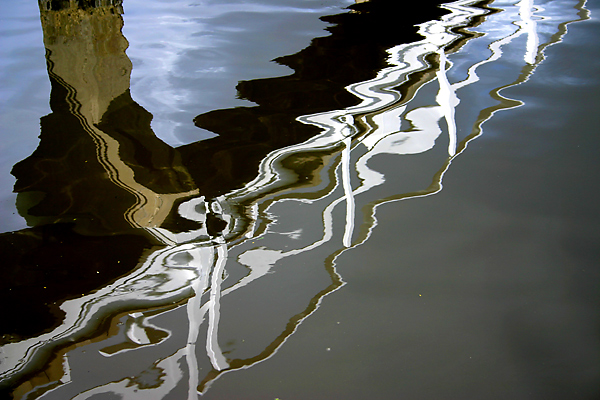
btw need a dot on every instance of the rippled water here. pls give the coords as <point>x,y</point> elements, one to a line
<point>299,200</point>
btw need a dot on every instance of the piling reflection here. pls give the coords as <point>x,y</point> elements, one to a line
<point>210,224</point>
<point>106,145</point>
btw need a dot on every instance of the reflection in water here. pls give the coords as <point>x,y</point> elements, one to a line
<point>106,141</point>
<point>200,209</point>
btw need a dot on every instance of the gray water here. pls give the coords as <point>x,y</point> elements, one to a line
<point>435,236</point>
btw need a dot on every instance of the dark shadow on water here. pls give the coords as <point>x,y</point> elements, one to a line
<point>77,188</point>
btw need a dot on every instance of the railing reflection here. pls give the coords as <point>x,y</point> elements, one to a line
<point>404,110</point>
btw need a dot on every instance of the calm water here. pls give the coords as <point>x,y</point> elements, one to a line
<point>299,200</point>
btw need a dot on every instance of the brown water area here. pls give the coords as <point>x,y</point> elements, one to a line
<point>405,207</point>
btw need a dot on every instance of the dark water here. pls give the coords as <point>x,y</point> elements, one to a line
<point>300,200</point>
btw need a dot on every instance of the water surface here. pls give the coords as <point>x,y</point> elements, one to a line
<point>384,210</point>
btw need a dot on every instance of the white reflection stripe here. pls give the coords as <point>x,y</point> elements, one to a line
<point>447,99</point>
<point>348,193</point>
<point>212,346</point>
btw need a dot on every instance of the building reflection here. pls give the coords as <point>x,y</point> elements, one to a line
<point>98,165</point>
<point>191,216</point>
